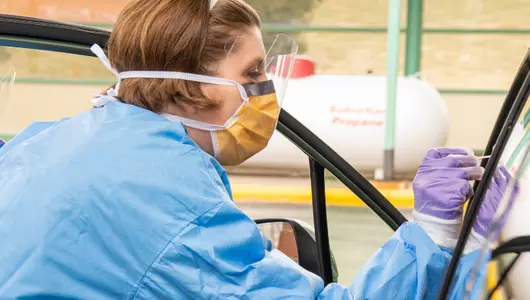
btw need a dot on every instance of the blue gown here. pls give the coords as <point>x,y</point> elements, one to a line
<point>118,202</point>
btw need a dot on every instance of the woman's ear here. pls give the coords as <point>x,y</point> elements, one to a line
<point>188,109</point>
<point>211,92</point>
<point>185,110</point>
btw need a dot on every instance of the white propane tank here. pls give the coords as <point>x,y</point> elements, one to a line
<point>348,113</point>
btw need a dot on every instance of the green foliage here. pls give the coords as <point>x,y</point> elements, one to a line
<point>286,12</point>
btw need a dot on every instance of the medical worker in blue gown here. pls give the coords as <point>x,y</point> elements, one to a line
<point>130,199</point>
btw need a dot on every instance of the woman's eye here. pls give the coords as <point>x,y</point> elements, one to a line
<point>254,74</point>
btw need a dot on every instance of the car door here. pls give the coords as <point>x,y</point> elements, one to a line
<point>510,128</point>
<point>42,45</point>
<point>509,147</point>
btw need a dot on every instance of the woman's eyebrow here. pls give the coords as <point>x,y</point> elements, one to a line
<point>256,62</point>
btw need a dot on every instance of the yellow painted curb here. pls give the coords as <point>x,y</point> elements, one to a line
<point>402,198</point>
<point>492,280</point>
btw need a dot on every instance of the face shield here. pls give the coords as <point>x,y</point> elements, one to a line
<point>252,67</point>
<point>279,61</point>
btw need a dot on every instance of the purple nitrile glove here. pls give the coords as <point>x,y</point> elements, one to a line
<point>441,188</point>
<point>494,195</point>
<point>2,143</point>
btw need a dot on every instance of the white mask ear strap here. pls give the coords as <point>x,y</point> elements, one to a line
<point>96,49</point>
<point>212,3</point>
<point>185,76</point>
<point>197,124</point>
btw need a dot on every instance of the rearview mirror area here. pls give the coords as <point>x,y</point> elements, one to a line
<point>295,239</point>
<point>282,237</point>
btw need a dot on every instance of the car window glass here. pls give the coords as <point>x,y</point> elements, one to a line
<point>282,237</point>
<point>263,197</point>
<point>504,210</point>
<point>96,12</point>
<point>48,86</point>
<point>355,231</point>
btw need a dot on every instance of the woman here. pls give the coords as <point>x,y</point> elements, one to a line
<point>129,200</point>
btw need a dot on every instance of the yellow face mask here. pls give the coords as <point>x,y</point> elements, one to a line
<point>248,130</point>
<point>253,126</point>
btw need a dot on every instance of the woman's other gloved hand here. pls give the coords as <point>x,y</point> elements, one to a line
<point>2,143</point>
<point>494,194</point>
<point>441,188</point>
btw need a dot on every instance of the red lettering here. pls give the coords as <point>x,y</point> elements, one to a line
<point>356,123</point>
<point>357,110</point>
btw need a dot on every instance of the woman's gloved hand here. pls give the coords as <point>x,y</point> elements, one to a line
<point>441,187</point>
<point>494,194</point>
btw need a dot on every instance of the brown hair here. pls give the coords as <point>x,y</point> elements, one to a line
<point>174,35</point>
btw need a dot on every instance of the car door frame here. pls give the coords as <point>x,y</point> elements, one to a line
<point>508,116</point>
<point>47,35</point>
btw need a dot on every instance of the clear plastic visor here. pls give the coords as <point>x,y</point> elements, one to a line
<point>250,61</point>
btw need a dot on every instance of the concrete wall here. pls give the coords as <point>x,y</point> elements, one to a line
<point>472,117</point>
<point>31,102</point>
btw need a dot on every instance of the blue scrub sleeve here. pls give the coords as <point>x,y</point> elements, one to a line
<point>221,255</point>
<point>411,266</point>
